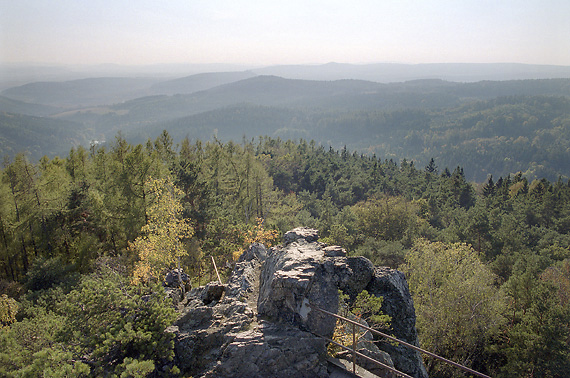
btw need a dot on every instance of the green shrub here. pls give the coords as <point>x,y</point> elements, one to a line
<point>111,321</point>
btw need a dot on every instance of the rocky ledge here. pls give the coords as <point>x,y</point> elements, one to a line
<point>260,323</point>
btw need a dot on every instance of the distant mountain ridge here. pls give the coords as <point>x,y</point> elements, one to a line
<point>416,119</point>
<point>21,107</point>
<point>335,96</point>
<point>105,90</point>
<point>397,72</point>
<point>198,82</point>
<point>83,92</point>
<point>111,90</point>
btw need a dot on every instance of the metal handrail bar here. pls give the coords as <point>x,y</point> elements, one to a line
<point>401,342</point>
<point>368,358</point>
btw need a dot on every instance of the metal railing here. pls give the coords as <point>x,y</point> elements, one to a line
<point>391,338</point>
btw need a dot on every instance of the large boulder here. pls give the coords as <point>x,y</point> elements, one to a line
<point>361,274</point>
<point>202,330</point>
<point>391,284</point>
<point>272,350</point>
<point>308,234</point>
<point>264,323</point>
<point>176,278</point>
<point>255,252</point>
<point>298,275</point>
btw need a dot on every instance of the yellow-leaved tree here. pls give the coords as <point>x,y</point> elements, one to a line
<point>161,243</point>
<point>257,235</point>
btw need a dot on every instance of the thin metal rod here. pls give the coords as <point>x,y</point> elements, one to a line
<point>218,274</point>
<point>402,342</point>
<point>354,349</point>
<point>388,367</point>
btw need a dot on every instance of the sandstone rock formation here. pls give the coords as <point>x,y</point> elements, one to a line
<point>262,323</point>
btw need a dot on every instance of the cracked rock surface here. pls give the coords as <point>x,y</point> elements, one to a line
<point>260,323</point>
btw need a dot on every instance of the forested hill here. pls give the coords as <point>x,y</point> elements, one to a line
<point>20,107</point>
<point>84,238</point>
<point>494,137</point>
<point>41,136</point>
<point>488,127</point>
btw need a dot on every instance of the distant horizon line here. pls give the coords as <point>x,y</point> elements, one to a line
<point>141,65</point>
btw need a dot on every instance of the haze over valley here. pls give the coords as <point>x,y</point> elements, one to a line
<point>406,80</point>
<point>184,184</point>
<point>362,107</point>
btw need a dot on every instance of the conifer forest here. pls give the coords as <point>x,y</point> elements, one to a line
<point>84,240</point>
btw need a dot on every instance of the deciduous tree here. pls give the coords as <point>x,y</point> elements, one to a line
<point>457,305</point>
<point>161,244</point>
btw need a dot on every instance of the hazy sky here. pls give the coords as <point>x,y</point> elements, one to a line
<point>263,32</point>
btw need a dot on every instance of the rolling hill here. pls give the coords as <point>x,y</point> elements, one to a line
<point>21,107</point>
<point>323,96</point>
<point>39,136</point>
<point>83,92</point>
<point>397,72</point>
<point>488,127</point>
<point>198,82</point>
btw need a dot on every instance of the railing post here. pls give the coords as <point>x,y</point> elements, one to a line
<point>354,348</point>
<point>215,267</point>
<point>391,338</point>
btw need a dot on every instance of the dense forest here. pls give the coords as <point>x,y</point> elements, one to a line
<point>85,238</point>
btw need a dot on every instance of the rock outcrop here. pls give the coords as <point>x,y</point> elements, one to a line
<point>391,284</point>
<point>263,323</point>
